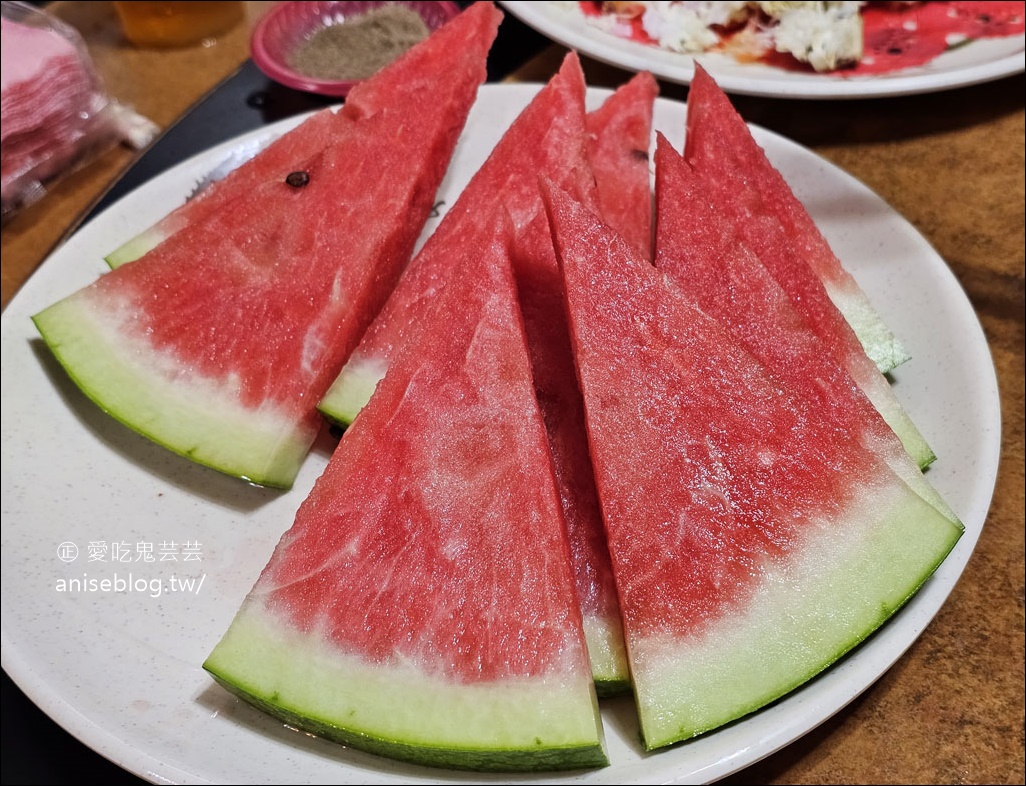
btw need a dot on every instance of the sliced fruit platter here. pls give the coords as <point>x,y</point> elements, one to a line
<point>621,492</point>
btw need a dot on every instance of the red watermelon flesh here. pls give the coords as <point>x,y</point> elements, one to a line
<point>697,247</point>
<point>718,141</point>
<point>619,137</point>
<point>544,138</point>
<point>402,613</point>
<point>220,341</point>
<point>272,164</point>
<point>754,540</point>
<point>458,49</point>
<point>730,189</point>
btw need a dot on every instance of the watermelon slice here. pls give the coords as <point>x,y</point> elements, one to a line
<point>754,539</point>
<point>619,137</point>
<point>543,138</point>
<point>719,141</point>
<point>697,246</point>
<point>219,342</point>
<point>541,301</point>
<point>402,614</point>
<point>756,225</point>
<point>456,46</point>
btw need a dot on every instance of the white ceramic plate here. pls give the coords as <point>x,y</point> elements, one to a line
<point>121,670</point>
<point>975,62</point>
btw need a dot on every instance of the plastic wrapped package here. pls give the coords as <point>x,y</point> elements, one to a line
<point>54,113</point>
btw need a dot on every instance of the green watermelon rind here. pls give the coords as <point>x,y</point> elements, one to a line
<point>911,472</point>
<point>859,573</point>
<point>529,724</point>
<point>351,390</point>
<point>200,419</point>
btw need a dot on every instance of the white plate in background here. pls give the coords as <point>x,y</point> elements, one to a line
<point>977,61</point>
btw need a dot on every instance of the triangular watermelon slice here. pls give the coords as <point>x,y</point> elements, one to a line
<point>541,302</point>
<point>402,613</point>
<point>719,141</point>
<point>698,247</point>
<point>546,134</point>
<point>540,289</point>
<point>730,189</point>
<point>754,540</point>
<point>219,342</point>
<point>457,49</point>
<point>619,138</point>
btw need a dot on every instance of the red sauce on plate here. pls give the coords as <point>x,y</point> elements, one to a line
<point>896,39</point>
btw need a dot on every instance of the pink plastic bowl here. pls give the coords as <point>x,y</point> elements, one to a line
<point>288,25</point>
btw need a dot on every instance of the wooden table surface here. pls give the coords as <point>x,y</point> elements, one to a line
<point>952,163</point>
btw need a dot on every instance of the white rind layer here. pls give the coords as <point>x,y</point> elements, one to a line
<point>885,350</point>
<point>881,396</point>
<point>352,389</point>
<point>141,244</point>
<point>155,395</point>
<point>300,676</point>
<point>879,342</point>
<point>607,654</point>
<point>844,580</point>
<point>905,468</point>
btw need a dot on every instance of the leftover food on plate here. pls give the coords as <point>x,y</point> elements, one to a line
<point>847,38</point>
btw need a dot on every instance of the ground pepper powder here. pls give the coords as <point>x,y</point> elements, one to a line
<point>361,45</point>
